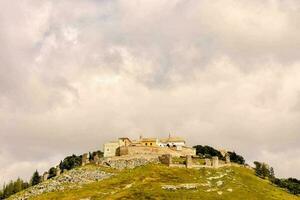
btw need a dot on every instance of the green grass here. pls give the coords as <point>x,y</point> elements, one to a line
<point>145,183</point>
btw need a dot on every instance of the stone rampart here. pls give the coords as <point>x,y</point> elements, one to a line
<point>129,162</point>
<point>143,150</point>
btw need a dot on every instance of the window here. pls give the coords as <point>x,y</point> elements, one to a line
<point>146,144</point>
<point>107,149</point>
<point>150,144</point>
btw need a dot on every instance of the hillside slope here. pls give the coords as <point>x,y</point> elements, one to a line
<point>156,181</point>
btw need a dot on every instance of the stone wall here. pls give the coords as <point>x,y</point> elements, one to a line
<point>84,159</point>
<point>189,161</point>
<point>215,161</point>
<point>128,162</point>
<point>166,159</point>
<point>143,150</point>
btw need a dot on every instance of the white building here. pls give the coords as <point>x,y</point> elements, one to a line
<point>172,142</point>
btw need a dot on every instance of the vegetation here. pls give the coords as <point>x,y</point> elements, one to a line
<point>35,179</point>
<point>68,163</point>
<point>291,184</point>
<point>262,170</point>
<point>236,158</point>
<point>52,172</point>
<point>207,152</point>
<point>146,182</point>
<point>13,187</point>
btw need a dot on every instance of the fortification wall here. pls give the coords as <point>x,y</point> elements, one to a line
<point>143,150</point>
<point>129,161</point>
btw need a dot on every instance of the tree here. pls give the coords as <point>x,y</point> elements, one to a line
<point>272,174</point>
<point>207,151</point>
<point>265,171</point>
<point>12,187</point>
<point>36,178</point>
<point>258,169</point>
<point>70,162</point>
<point>236,158</point>
<point>52,172</point>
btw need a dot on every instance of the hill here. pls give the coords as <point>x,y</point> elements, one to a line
<point>156,181</point>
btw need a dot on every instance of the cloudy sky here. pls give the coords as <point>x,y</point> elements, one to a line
<point>77,73</point>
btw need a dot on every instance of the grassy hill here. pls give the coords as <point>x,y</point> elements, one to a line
<point>155,181</point>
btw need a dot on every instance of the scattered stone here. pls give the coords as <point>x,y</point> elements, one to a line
<point>128,186</point>
<point>185,186</point>
<point>189,186</point>
<point>229,190</point>
<point>219,183</point>
<point>169,187</point>
<point>216,177</point>
<point>69,180</point>
<point>220,192</point>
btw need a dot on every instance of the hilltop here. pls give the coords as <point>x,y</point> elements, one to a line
<point>156,181</point>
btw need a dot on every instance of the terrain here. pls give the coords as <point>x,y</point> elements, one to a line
<point>155,181</point>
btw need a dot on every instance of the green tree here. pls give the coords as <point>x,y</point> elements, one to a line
<point>207,151</point>
<point>236,158</point>
<point>70,162</point>
<point>36,178</point>
<point>258,168</point>
<point>52,172</point>
<point>272,174</point>
<point>265,171</point>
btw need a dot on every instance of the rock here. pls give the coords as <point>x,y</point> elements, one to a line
<point>229,190</point>
<point>186,186</point>
<point>128,186</point>
<point>169,187</point>
<point>189,186</point>
<point>220,192</point>
<point>219,183</point>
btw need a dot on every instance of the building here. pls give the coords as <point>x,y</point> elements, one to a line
<point>148,146</point>
<point>111,148</point>
<point>172,142</point>
<point>153,142</point>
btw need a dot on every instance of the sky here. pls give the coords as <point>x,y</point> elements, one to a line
<point>75,74</point>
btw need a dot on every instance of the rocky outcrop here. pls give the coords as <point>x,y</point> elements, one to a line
<point>68,180</point>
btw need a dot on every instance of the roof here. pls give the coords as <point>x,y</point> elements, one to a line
<point>172,139</point>
<point>148,139</point>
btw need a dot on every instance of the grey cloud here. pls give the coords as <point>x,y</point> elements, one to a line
<point>75,74</point>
